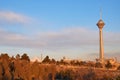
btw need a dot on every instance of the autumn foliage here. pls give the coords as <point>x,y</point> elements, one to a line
<point>21,68</point>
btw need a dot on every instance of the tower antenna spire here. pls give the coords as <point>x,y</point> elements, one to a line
<point>100,13</point>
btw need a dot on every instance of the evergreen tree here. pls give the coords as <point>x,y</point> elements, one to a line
<point>25,57</point>
<point>46,60</point>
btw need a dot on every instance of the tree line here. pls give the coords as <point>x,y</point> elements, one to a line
<point>21,68</point>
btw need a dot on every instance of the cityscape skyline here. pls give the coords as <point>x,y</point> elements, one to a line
<point>59,28</point>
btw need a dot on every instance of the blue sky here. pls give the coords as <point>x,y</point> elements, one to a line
<point>59,28</point>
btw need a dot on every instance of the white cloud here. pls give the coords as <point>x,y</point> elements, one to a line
<point>13,18</point>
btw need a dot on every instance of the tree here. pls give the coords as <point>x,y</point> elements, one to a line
<point>64,75</point>
<point>90,75</point>
<point>108,65</point>
<point>5,56</point>
<point>12,70</point>
<point>98,65</point>
<point>46,59</point>
<point>35,70</point>
<point>25,57</point>
<point>118,68</point>
<point>53,61</point>
<point>2,71</point>
<point>17,56</point>
<point>118,78</point>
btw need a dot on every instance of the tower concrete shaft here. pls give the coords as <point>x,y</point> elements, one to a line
<point>101,55</point>
<point>100,25</point>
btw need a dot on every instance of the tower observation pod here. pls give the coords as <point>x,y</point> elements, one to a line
<point>100,25</point>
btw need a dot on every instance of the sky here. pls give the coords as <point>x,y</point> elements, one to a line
<point>59,28</point>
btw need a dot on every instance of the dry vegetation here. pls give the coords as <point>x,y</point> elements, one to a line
<point>20,68</point>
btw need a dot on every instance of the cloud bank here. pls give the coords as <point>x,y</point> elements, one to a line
<point>75,37</point>
<point>13,18</point>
